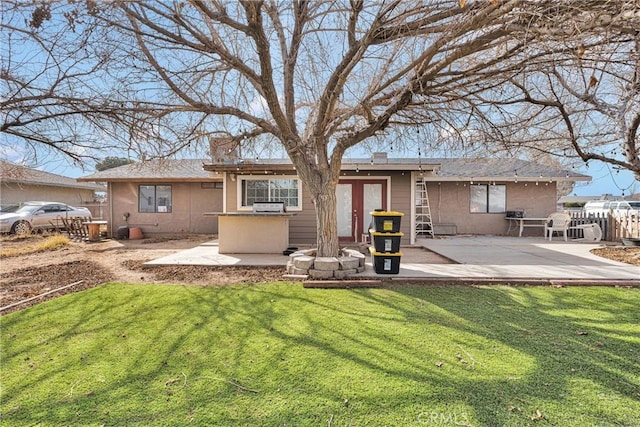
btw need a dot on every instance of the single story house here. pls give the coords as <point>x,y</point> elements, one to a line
<point>19,184</point>
<point>456,196</point>
<point>162,197</point>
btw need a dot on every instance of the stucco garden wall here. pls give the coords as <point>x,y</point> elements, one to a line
<point>12,193</point>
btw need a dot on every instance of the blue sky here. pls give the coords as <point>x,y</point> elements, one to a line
<point>605,180</point>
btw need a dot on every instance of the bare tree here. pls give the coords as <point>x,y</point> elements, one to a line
<point>62,90</point>
<point>593,104</point>
<point>582,105</point>
<point>319,78</point>
<point>45,81</point>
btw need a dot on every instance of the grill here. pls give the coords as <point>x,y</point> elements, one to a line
<point>515,214</point>
<point>269,207</point>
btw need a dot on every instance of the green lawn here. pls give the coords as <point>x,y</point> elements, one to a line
<point>278,354</point>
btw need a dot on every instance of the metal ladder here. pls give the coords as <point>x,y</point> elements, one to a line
<point>424,224</point>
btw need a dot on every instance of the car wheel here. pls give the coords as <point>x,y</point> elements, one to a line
<point>21,227</point>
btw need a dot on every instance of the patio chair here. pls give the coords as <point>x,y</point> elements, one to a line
<point>591,232</point>
<point>557,222</point>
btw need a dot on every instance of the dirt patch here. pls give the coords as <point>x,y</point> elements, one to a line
<point>25,276</point>
<point>627,254</point>
<point>29,282</point>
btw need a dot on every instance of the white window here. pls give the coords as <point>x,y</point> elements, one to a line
<point>285,190</point>
<point>488,198</point>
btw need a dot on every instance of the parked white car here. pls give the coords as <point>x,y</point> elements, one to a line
<point>616,207</point>
<point>625,207</point>
<point>39,216</point>
<point>597,207</point>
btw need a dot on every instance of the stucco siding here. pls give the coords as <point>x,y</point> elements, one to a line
<point>450,204</point>
<point>204,200</point>
<point>189,203</point>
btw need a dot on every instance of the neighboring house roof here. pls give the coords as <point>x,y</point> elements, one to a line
<point>10,173</point>
<point>585,199</point>
<point>575,199</point>
<point>167,170</point>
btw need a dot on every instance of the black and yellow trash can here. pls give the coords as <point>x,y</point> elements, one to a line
<point>386,242</point>
<point>385,262</point>
<point>385,237</point>
<point>386,221</point>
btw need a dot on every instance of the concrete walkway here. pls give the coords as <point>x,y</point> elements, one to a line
<point>519,258</point>
<point>207,254</point>
<point>475,257</point>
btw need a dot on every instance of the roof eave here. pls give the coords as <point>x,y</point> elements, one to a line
<point>255,167</point>
<point>505,179</point>
<point>153,180</point>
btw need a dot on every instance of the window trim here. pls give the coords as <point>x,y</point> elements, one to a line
<point>239,195</point>
<point>488,199</point>
<point>156,198</point>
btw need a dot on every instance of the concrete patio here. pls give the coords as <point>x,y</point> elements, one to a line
<point>521,258</point>
<point>474,258</point>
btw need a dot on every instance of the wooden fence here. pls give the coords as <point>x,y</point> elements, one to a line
<point>613,227</point>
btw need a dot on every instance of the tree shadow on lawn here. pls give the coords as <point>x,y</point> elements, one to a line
<point>226,345</point>
<point>155,352</point>
<point>546,327</point>
<point>551,326</point>
<point>198,350</point>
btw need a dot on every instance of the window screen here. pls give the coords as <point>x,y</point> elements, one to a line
<point>154,198</point>
<point>488,198</point>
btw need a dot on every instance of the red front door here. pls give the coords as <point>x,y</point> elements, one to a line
<point>356,199</point>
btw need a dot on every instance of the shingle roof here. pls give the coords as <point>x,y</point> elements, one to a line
<point>503,168</point>
<point>446,169</point>
<point>11,173</point>
<point>156,170</point>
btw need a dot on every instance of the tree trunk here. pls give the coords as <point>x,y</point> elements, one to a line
<point>324,198</point>
<point>321,180</point>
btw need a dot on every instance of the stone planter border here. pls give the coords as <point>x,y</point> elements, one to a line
<point>305,263</point>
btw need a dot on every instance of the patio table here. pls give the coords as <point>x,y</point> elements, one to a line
<point>521,223</point>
